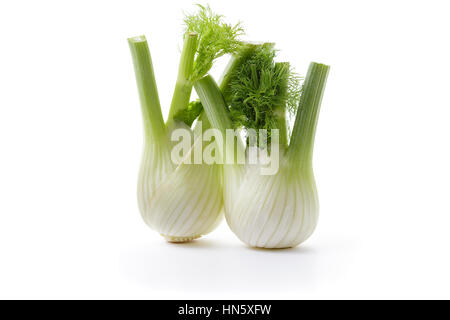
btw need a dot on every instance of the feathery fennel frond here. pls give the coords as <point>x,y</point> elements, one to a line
<point>215,39</point>
<point>262,90</point>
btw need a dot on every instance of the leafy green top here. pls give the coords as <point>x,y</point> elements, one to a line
<point>189,114</point>
<point>215,39</point>
<point>262,90</point>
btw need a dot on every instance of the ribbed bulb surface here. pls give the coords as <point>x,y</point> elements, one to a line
<point>180,202</point>
<point>279,211</point>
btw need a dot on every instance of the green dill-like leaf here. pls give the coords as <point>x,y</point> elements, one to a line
<point>215,39</point>
<point>261,90</point>
<point>295,91</point>
<point>189,114</point>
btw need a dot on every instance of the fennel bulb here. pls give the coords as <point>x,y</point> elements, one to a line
<point>181,201</point>
<point>281,210</point>
<point>275,211</point>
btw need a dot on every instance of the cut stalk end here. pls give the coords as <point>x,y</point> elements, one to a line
<point>137,39</point>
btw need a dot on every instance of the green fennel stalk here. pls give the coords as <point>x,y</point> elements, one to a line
<point>303,134</point>
<point>183,86</point>
<point>148,92</point>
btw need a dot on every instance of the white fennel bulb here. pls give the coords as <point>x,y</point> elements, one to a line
<point>180,201</point>
<point>279,210</point>
<point>274,211</point>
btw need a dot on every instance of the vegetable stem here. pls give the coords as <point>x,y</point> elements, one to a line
<point>217,111</point>
<point>213,103</point>
<point>148,92</point>
<point>281,126</point>
<point>303,134</point>
<point>183,87</point>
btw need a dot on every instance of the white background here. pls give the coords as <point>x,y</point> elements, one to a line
<point>71,139</point>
